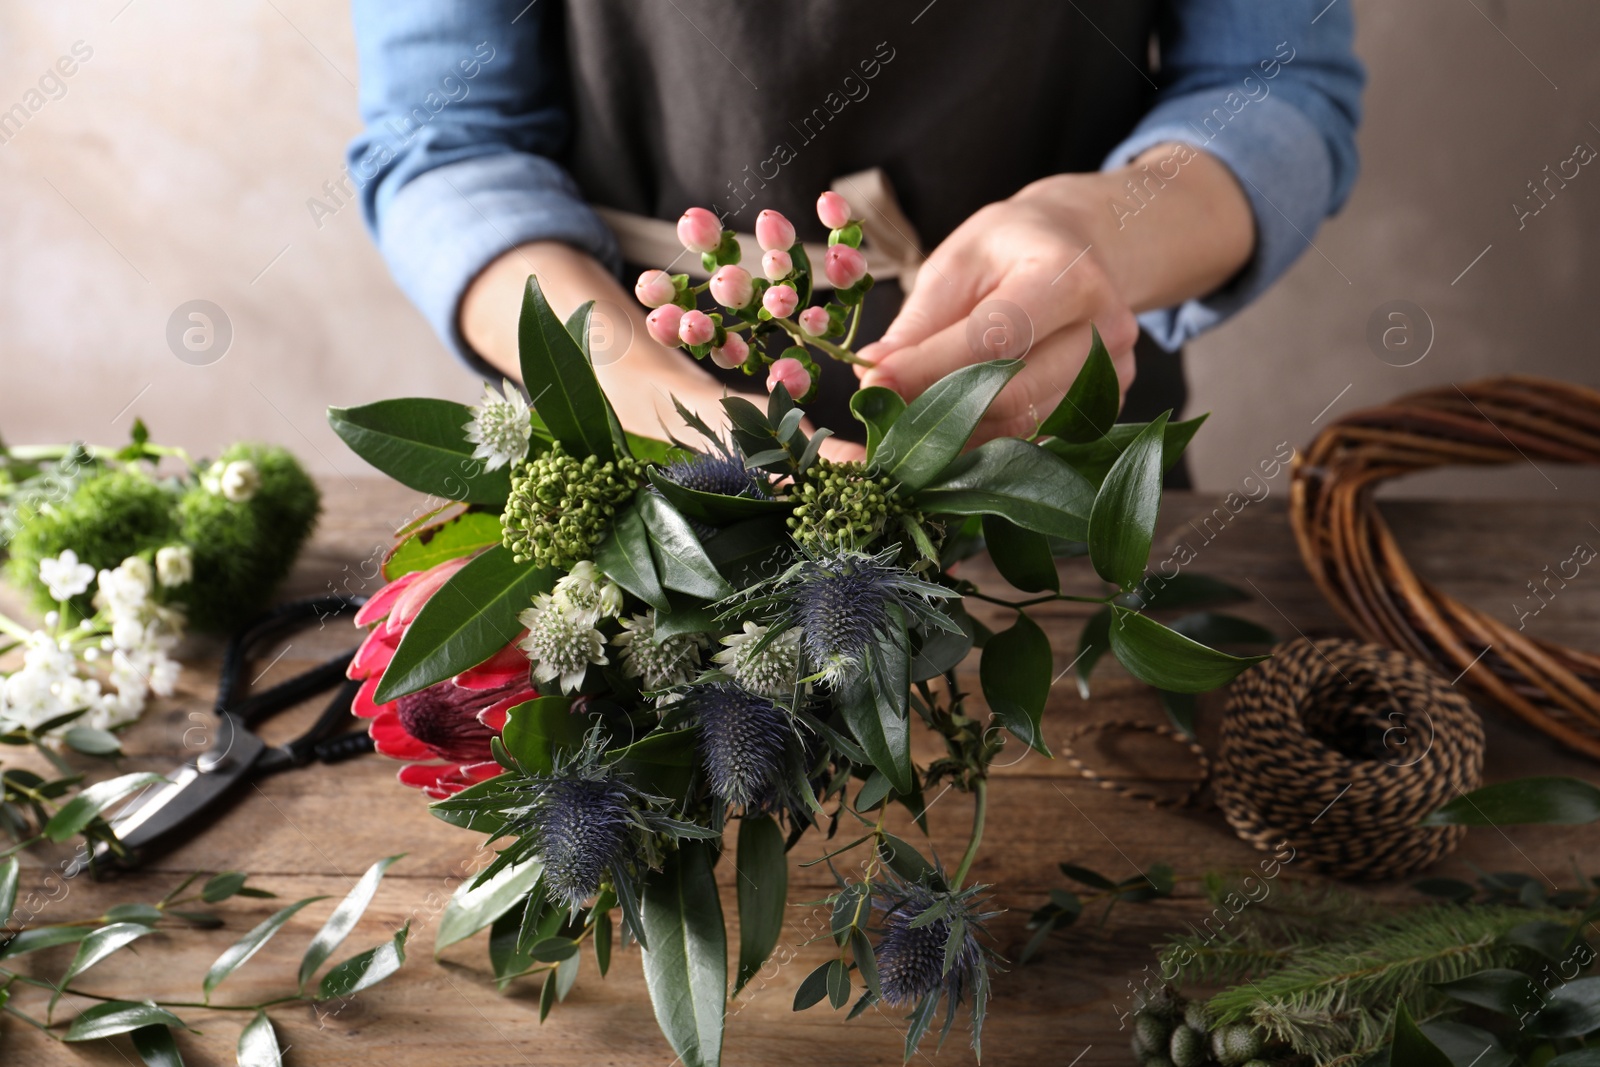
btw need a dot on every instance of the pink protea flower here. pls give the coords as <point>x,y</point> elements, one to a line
<point>732,286</point>
<point>844,266</point>
<point>791,374</point>
<point>654,288</point>
<point>696,328</point>
<point>443,731</point>
<point>732,354</point>
<point>815,321</point>
<point>780,300</point>
<point>774,233</point>
<point>833,210</point>
<point>662,324</point>
<point>699,230</point>
<point>776,265</point>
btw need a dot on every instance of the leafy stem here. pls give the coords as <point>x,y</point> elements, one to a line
<point>980,805</point>
<point>843,355</point>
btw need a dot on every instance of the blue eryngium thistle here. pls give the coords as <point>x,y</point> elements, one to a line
<point>721,472</point>
<point>743,742</point>
<point>930,948</point>
<point>581,828</point>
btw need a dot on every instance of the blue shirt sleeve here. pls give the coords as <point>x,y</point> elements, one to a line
<point>464,113</point>
<point>1274,92</point>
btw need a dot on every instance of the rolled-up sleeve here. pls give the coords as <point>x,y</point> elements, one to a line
<point>464,114</point>
<point>1274,92</point>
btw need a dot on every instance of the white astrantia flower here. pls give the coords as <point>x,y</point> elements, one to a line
<point>658,662</point>
<point>64,576</point>
<point>560,642</point>
<point>771,671</point>
<point>500,427</point>
<point>587,593</point>
<point>174,565</point>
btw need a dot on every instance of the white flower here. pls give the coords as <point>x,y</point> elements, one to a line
<point>64,576</point>
<point>561,643</point>
<point>659,663</point>
<point>124,591</point>
<point>174,565</point>
<point>46,685</point>
<point>771,671</point>
<point>238,481</point>
<point>500,427</point>
<point>585,593</point>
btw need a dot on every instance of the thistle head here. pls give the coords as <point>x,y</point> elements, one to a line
<point>582,825</point>
<point>919,955</point>
<point>722,472</point>
<point>743,742</point>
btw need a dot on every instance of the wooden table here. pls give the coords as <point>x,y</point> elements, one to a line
<point>315,831</point>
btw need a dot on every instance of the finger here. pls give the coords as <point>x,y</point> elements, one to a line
<point>948,285</point>
<point>1044,379</point>
<point>843,451</point>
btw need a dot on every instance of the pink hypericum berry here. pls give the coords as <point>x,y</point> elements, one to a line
<point>792,375</point>
<point>780,300</point>
<point>814,321</point>
<point>844,266</point>
<point>696,328</point>
<point>699,230</point>
<point>733,352</point>
<point>662,323</point>
<point>832,209</point>
<point>774,232</point>
<point>776,264</point>
<point>731,286</point>
<point>654,288</point>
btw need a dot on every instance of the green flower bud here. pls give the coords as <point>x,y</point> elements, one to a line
<point>1187,1047</point>
<point>561,507</point>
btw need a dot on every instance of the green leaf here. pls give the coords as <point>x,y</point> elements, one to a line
<point>96,947</point>
<point>1571,1010</point>
<point>473,907</point>
<point>602,942</point>
<point>461,535</point>
<point>686,617</point>
<point>553,949</point>
<point>42,937</point>
<point>1022,557</point>
<point>866,962</point>
<point>813,987</point>
<point>838,984</point>
<point>1583,1057</point>
<point>686,966</point>
<point>470,618</point>
<point>1123,521</point>
<point>118,1017</point>
<point>342,921</point>
<point>1016,671</point>
<point>1468,1046</point>
<point>715,508</point>
<point>148,914</point>
<point>561,381</point>
<point>935,427</point>
<point>92,742</point>
<point>1017,480</point>
<point>220,887</point>
<point>250,944</point>
<point>1547,800</point>
<point>1411,1046</point>
<point>258,1044</point>
<point>876,408</point>
<point>1217,628</point>
<point>155,1046</point>
<point>907,862</point>
<point>537,729</point>
<point>1152,653</point>
<point>1091,405</point>
<point>680,559</point>
<point>942,650</point>
<point>762,880</point>
<point>1180,709</point>
<point>1184,590</point>
<point>1094,460</point>
<point>1093,642</point>
<point>742,551</point>
<point>661,763</point>
<point>81,810</point>
<point>366,969</point>
<point>422,444</point>
<point>624,557</point>
<point>877,720</point>
<point>10,876</point>
<point>1498,989</point>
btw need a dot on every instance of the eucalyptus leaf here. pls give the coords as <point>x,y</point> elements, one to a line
<point>82,809</point>
<point>1016,671</point>
<point>422,444</point>
<point>935,427</point>
<point>561,380</point>
<point>248,945</point>
<point>366,969</point>
<point>258,1044</point>
<point>813,988</point>
<point>1123,521</point>
<point>343,920</point>
<point>762,884</point>
<point>92,742</point>
<point>1167,660</point>
<point>686,965</point>
<point>220,887</point>
<point>1543,800</point>
<point>1089,408</point>
<point>1022,557</point>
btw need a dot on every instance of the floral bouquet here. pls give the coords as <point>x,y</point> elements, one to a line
<point>608,649</point>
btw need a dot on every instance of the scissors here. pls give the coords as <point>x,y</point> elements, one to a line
<point>168,813</point>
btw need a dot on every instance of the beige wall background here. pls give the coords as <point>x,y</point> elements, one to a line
<point>177,160</point>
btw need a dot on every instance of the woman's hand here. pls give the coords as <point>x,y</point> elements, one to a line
<point>1061,254</point>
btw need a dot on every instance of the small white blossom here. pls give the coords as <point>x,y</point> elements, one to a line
<point>174,565</point>
<point>500,427</point>
<point>586,593</point>
<point>772,671</point>
<point>658,662</point>
<point>561,643</point>
<point>239,481</point>
<point>64,576</point>
<point>124,591</point>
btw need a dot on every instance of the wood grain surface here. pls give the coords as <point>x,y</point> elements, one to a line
<point>314,831</point>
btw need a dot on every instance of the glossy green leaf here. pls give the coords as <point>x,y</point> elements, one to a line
<point>365,969</point>
<point>1158,592</point>
<point>876,714</point>
<point>1468,1046</point>
<point>81,810</point>
<point>148,914</point>
<point>1094,459</point>
<point>42,937</point>
<point>553,949</point>
<point>1572,1009</point>
<point>813,988</point>
<point>536,730</point>
<point>1217,628</point>
<point>1093,642</point>
<point>422,444</point>
<point>118,1017</point>
<point>258,1044</point>
<point>744,551</point>
<point>762,882</point>
<point>567,975</point>
<point>602,943</point>
<point>935,427</point>
<point>220,887</point>
<point>876,408</point>
<point>1022,557</point>
<point>1543,799</point>
<point>661,763</point>
<point>1410,1046</point>
<point>91,741</point>
<point>435,543</point>
<point>1017,480</point>
<point>1152,653</point>
<point>343,920</point>
<point>578,328</point>
<point>1583,1057</point>
<point>473,907</point>
<point>624,557</point>
<point>1089,408</point>
<point>155,1046</point>
<point>1123,521</point>
<point>250,944</point>
<point>1498,989</point>
<point>96,947</point>
<point>1016,671</point>
<point>686,617</point>
<point>1180,709</point>
<point>941,650</point>
<point>10,876</point>
<point>686,965</point>
<point>470,618</point>
<point>906,861</point>
<point>680,558</point>
<point>561,380</point>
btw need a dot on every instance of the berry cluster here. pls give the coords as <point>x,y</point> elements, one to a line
<point>561,507</point>
<point>840,506</point>
<point>758,309</point>
<point>1169,1032</point>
